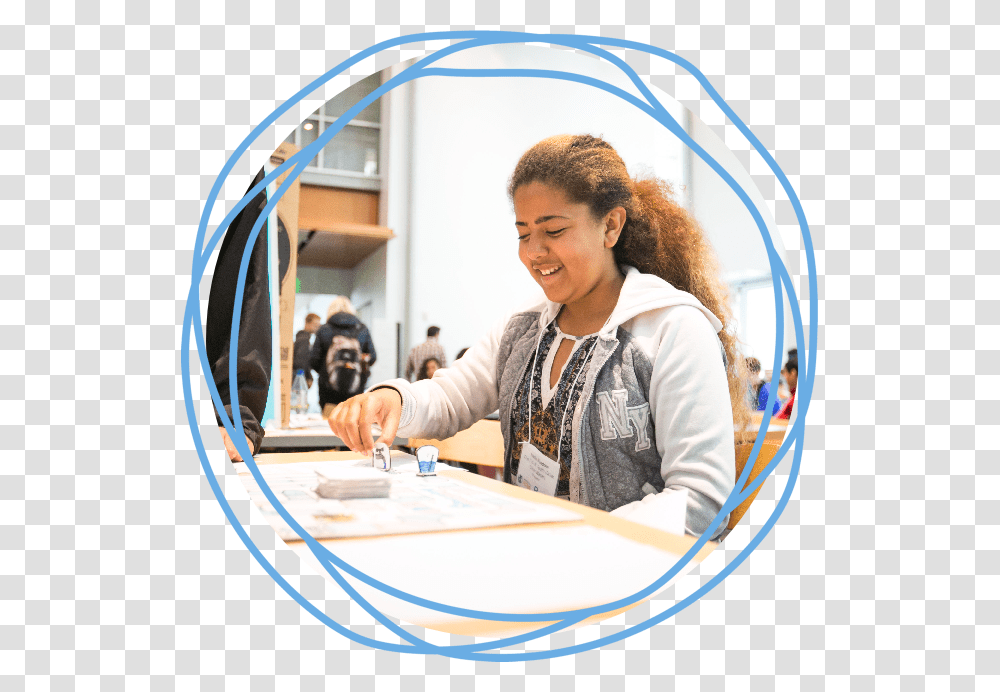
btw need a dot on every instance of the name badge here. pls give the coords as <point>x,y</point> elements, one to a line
<point>536,471</point>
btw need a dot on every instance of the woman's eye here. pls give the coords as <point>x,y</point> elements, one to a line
<point>551,234</point>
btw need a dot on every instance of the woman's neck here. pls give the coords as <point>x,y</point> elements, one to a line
<point>588,314</point>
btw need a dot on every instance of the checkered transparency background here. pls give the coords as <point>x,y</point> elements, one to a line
<point>117,567</point>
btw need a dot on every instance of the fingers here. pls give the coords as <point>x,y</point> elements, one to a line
<point>352,420</point>
<point>344,423</point>
<point>390,424</point>
<point>369,413</point>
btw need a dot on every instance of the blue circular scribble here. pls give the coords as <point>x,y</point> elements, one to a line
<point>560,620</point>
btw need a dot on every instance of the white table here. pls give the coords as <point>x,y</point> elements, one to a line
<point>534,568</point>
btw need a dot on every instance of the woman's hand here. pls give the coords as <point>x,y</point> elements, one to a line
<point>234,454</point>
<point>352,420</point>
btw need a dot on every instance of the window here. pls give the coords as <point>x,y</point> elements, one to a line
<point>351,158</point>
<point>753,307</point>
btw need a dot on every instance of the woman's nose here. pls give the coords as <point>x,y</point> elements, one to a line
<point>537,247</point>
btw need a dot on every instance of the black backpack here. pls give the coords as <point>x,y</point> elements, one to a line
<point>346,368</point>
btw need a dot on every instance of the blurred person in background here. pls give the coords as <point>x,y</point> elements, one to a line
<point>791,374</point>
<point>342,354</point>
<point>760,388</point>
<point>421,352</point>
<point>301,352</point>
<point>427,370</point>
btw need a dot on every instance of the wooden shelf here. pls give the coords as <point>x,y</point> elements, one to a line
<point>320,207</point>
<point>340,245</point>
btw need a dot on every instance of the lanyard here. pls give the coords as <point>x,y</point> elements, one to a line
<point>569,394</point>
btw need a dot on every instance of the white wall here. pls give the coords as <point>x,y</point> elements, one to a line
<point>369,298</point>
<point>449,145</point>
<point>726,220</point>
<point>468,134</point>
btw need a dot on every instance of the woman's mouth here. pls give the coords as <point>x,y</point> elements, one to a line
<point>548,271</point>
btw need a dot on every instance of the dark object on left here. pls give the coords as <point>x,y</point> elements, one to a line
<point>253,368</point>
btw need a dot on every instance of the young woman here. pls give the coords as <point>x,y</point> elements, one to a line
<point>624,382</point>
<point>428,368</point>
<point>342,321</point>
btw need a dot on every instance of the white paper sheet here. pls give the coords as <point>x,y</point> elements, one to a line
<point>415,504</point>
<point>511,570</point>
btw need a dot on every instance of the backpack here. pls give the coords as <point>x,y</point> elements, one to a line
<point>345,366</point>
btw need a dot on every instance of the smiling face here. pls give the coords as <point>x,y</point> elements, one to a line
<point>564,248</point>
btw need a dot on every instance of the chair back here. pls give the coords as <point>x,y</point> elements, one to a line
<point>767,452</point>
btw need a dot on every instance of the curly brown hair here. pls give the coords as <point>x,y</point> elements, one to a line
<point>659,236</point>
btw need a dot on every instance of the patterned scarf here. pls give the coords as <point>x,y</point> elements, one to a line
<point>546,421</point>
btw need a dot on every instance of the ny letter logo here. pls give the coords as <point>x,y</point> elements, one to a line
<point>616,416</point>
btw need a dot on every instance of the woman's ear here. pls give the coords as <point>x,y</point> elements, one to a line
<point>613,224</point>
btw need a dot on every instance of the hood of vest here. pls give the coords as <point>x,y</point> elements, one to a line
<point>640,293</point>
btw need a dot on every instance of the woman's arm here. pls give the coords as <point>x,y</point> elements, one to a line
<point>693,420</point>
<point>456,397</point>
<point>451,401</point>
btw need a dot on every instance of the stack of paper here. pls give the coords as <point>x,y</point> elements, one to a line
<point>352,483</point>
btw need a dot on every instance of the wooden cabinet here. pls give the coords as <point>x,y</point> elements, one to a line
<point>338,228</point>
